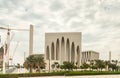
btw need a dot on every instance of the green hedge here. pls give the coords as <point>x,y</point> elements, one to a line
<point>31,75</point>
<point>41,74</point>
<point>9,76</point>
<point>67,73</point>
<point>90,73</point>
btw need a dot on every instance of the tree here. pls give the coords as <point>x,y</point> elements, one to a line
<point>34,62</point>
<point>39,62</point>
<point>85,66</point>
<point>67,65</point>
<point>55,65</point>
<point>93,67</point>
<point>18,65</point>
<point>92,64</point>
<point>29,63</point>
<point>100,64</point>
<point>107,64</point>
<point>113,66</point>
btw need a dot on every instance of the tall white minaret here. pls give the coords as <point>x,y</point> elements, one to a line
<point>31,40</point>
<point>110,56</point>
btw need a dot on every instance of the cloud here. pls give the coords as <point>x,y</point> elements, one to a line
<point>56,5</point>
<point>98,20</point>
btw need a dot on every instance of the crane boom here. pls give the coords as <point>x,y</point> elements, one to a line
<point>13,29</point>
<point>20,29</point>
<point>3,28</point>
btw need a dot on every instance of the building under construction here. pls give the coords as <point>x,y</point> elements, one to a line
<point>1,57</point>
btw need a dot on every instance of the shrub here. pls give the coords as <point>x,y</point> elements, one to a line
<point>8,75</point>
<point>66,73</point>
<point>90,73</point>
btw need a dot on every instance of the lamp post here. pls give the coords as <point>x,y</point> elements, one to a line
<point>4,60</point>
<point>49,64</point>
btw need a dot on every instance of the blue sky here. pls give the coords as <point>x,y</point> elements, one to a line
<point>98,20</point>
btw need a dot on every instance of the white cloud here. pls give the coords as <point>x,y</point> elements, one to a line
<point>98,20</point>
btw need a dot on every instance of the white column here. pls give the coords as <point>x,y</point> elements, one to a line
<point>70,52</point>
<point>50,58</point>
<point>65,57</point>
<point>54,50</point>
<point>60,52</point>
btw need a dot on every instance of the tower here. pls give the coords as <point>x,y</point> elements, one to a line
<point>31,40</point>
<point>110,56</point>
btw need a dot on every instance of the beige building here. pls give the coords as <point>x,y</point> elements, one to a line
<point>89,55</point>
<point>63,46</point>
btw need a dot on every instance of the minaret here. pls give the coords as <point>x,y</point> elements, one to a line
<point>31,40</point>
<point>110,56</point>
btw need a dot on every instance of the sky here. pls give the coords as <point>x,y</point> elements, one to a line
<point>98,20</point>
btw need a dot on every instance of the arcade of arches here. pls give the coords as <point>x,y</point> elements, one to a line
<point>64,50</point>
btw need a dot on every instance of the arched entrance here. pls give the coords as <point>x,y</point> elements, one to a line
<point>62,49</point>
<point>52,51</point>
<point>47,53</point>
<point>78,55</point>
<point>57,49</point>
<point>68,50</point>
<point>72,52</point>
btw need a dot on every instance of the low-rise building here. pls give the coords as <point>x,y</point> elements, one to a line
<point>89,55</point>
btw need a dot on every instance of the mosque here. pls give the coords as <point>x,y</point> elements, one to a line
<point>63,46</point>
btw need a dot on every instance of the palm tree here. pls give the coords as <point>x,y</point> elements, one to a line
<point>58,66</point>
<point>92,64</point>
<point>85,66</point>
<point>67,65</point>
<point>100,64</point>
<point>30,63</point>
<point>34,62</point>
<point>107,65</point>
<point>39,62</point>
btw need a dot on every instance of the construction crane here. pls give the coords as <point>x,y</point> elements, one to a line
<point>7,44</point>
<point>8,36</point>
<point>11,57</point>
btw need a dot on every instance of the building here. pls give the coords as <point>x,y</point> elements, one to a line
<point>1,56</point>
<point>89,55</point>
<point>63,46</point>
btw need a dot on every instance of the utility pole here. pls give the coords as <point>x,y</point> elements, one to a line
<point>31,40</point>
